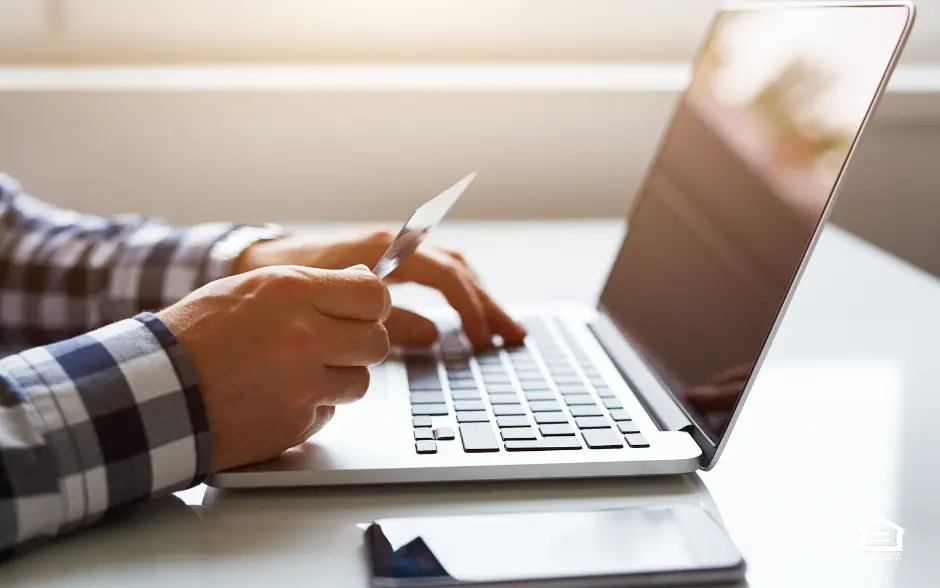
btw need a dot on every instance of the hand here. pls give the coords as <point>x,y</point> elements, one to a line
<point>445,271</point>
<point>276,349</point>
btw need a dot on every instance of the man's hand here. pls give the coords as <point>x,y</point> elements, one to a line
<point>445,271</point>
<point>276,349</point>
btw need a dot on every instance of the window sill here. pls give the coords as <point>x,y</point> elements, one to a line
<point>668,77</point>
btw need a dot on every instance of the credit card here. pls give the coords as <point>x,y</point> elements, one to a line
<point>418,225</point>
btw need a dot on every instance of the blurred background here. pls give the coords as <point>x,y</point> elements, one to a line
<point>337,110</point>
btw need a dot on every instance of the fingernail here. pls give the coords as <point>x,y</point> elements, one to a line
<point>361,267</point>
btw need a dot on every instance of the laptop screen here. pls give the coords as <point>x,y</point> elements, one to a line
<point>736,192</point>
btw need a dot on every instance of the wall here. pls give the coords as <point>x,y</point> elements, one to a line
<point>303,155</point>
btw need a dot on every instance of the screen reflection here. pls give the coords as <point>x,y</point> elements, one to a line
<point>740,184</point>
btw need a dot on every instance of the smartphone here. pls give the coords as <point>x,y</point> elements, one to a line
<point>646,546</point>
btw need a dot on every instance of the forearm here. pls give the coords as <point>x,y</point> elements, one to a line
<point>94,423</point>
<point>65,273</point>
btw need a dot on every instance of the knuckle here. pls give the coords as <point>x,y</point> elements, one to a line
<point>381,236</point>
<point>360,382</point>
<point>381,342</point>
<point>300,335</point>
<point>454,271</point>
<point>282,280</point>
<point>376,295</point>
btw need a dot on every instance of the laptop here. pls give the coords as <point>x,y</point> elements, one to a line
<point>650,380</point>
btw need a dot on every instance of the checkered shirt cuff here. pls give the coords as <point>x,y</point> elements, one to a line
<point>93,423</point>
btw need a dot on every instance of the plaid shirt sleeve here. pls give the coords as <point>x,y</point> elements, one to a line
<point>63,273</point>
<point>94,423</point>
<point>107,413</point>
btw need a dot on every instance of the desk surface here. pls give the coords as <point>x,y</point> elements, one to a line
<point>859,345</point>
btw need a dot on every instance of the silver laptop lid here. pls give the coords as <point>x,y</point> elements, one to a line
<point>737,194</point>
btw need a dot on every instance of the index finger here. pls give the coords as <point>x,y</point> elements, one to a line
<point>446,276</point>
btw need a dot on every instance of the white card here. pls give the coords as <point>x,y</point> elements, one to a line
<point>418,225</point>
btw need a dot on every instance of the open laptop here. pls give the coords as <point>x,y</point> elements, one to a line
<point>652,379</point>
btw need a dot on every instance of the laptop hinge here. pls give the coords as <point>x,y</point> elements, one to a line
<point>649,389</point>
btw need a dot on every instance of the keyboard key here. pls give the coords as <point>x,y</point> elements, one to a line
<point>478,437</point>
<point>579,399</point>
<point>512,421</point>
<point>556,361</point>
<point>636,440</point>
<point>465,394</point>
<point>419,359</point>
<point>592,423</point>
<point>473,416</point>
<point>520,434</point>
<point>469,405</point>
<point>601,439</point>
<point>595,381</point>
<point>425,447</point>
<point>492,368</point>
<point>628,427</point>
<point>496,399</point>
<point>539,395</point>
<point>544,406</point>
<point>424,383</point>
<point>586,410</point>
<point>535,385</point>
<point>496,377</point>
<point>460,374</point>
<point>421,421</point>
<point>612,403</point>
<point>525,364</point>
<point>508,410</point>
<point>573,389</point>
<point>529,375</point>
<point>427,398</point>
<point>549,418</point>
<point>424,434</point>
<point>568,379</point>
<point>559,430</point>
<point>546,444</point>
<point>444,434</point>
<point>429,410</point>
<point>605,392</point>
<point>500,388</point>
<point>619,414</point>
<point>463,385</point>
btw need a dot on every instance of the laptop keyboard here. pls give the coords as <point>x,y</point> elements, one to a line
<point>537,397</point>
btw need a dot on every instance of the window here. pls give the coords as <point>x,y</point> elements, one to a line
<point>186,31</point>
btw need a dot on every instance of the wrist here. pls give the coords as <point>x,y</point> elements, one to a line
<point>237,252</point>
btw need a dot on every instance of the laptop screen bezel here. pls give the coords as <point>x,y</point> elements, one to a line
<point>710,444</point>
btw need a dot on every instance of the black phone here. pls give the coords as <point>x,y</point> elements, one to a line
<point>644,546</point>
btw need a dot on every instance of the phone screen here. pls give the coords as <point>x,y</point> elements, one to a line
<point>482,549</point>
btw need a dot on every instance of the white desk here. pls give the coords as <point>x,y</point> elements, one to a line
<point>794,487</point>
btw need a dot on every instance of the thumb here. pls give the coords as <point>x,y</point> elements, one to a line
<point>407,329</point>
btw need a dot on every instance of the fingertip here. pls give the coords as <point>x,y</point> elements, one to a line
<point>481,339</point>
<point>512,332</point>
